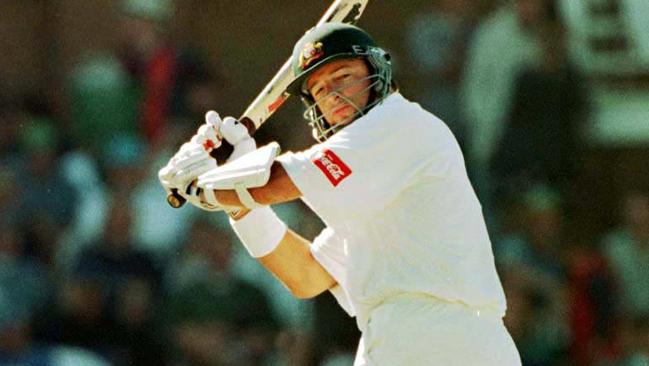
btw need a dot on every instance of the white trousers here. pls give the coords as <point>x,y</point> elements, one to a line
<point>421,330</point>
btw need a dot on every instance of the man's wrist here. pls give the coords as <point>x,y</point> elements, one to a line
<point>239,214</point>
<point>260,231</point>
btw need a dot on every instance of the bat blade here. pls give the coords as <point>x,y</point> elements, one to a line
<point>274,94</point>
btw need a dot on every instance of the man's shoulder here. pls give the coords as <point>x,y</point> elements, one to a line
<point>395,118</point>
<point>396,108</point>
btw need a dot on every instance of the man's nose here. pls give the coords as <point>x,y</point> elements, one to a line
<point>333,97</point>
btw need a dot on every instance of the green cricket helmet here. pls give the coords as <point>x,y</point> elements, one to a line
<point>335,41</point>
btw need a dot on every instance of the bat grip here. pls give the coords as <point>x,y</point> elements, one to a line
<point>174,199</point>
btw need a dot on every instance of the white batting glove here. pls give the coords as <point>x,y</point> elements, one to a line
<point>183,168</point>
<point>229,129</point>
<point>208,134</point>
<point>236,134</point>
<point>233,131</point>
<point>193,196</point>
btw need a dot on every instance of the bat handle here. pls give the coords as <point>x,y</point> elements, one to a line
<point>175,200</point>
<point>250,125</point>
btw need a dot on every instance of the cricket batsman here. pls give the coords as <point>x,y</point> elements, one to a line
<point>405,249</point>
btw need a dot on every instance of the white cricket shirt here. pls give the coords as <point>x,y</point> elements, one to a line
<point>400,212</point>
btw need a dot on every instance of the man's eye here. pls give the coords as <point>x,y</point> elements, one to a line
<point>317,92</point>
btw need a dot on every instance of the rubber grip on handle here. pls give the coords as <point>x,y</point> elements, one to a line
<point>175,200</point>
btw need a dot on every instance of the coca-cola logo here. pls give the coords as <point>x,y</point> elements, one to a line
<point>332,166</point>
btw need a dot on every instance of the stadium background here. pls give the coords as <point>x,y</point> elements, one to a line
<point>71,98</point>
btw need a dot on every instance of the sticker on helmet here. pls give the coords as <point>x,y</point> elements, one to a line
<point>310,53</point>
<point>332,166</point>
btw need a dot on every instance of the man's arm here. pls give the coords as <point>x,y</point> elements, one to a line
<point>294,265</point>
<point>283,252</point>
<point>291,262</point>
<point>279,189</point>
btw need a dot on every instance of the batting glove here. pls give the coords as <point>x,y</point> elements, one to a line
<point>236,134</point>
<point>183,169</point>
<point>229,129</point>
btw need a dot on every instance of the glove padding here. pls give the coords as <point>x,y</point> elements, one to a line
<point>193,195</point>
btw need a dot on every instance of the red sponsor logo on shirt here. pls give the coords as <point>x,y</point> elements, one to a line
<point>332,166</point>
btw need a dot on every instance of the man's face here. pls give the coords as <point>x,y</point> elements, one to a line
<point>348,78</point>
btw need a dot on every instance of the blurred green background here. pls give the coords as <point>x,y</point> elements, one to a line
<point>549,100</point>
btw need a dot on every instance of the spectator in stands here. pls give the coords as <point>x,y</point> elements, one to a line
<point>9,199</point>
<point>130,283</point>
<point>46,202</point>
<point>640,351</point>
<point>144,86</point>
<point>162,69</point>
<point>109,303</point>
<point>633,344</point>
<point>35,285</point>
<point>437,41</point>
<point>123,159</point>
<point>531,265</point>
<point>103,102</point>
<point>627,250</point>
<point>24,290</point>
<point>76,318</point>
<point>10,119</point>
<point>536,245</point>
<point>214,314</point>
<point>542,129</point>
<point>502,45</point>
<point>16,346</point>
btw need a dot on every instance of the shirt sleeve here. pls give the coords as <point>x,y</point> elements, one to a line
<point>329,250</point>
<point>358,171</point>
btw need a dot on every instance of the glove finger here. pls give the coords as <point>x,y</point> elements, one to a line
<point>188,149</point>
<point>213,119</point>
<point>166,175</point>
<point>190,172</point>
<point>193,157</point>
<point>207,137</point>
<point>233,131</point>
<point>181,179</point>
<point>183,152</point>
<point>165,172</point>
<point>200,166</point>
<point>243,147</point>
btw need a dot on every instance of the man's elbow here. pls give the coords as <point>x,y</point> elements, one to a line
<point>304,292</point>
<point>310,284</point>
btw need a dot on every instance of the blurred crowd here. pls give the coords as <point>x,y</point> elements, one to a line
<point>96,269</point>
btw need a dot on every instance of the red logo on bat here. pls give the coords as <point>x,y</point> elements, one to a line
<point>277,103</point>
<point>332,167</point>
